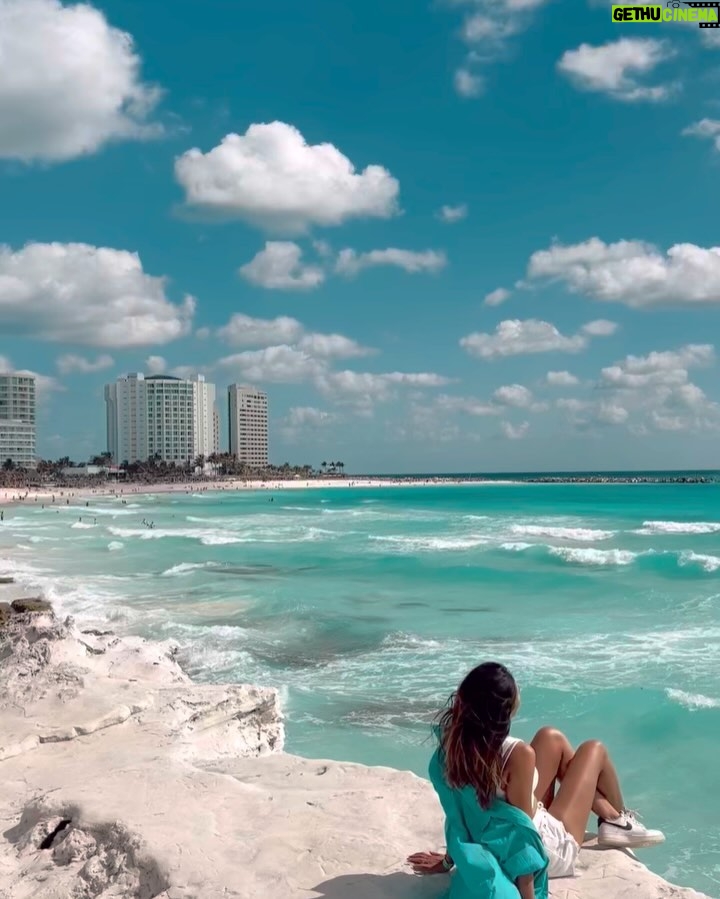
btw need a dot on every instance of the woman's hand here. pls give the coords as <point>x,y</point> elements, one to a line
<point>428,863</point>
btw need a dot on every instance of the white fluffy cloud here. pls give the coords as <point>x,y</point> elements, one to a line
<point>708,129</point>
<point>658,369</point>
<point>69,363</point>
<point>81,294</point>
<point>69,82</point>
<point>513,395</point>
<point>271,177</point>
<point>350,262</point>
<point>308,416</point>
<point>612,414</point>
<point>561,379</point>
<point>487,27</point>
<point>654,392</point>
<point>515,432</point>
<point>497,297</point>
<point>469,84</point>
<point>332,346</point>
<point>465,405</point>
<point>245,331</point>
<point>156,365</point>
<point>279,266</point>
<point>632,272</point>
<point>275,364</point>
<point>363,390</point>
<point>516,337</point>
<point>601,327</point>
<point>613,68</point>
<point>452,214</point>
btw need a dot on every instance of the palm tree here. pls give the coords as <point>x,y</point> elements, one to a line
<point>323,465</point>
<point>8,465</point>
<point>341,466</point>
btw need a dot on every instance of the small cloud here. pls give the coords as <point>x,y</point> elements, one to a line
<point>497,297</point>
<point>515,432</point>
<point>707,129</point>
<point>513,395</point>
<point>156,365</point>
<point>349,262</point>
<point>561,379</point>
<point>279,266</point>
<point>612,68</point>
<point>600,328</point>
<point>467,84</point>
<point>69,363</point>
<point>452,214</point>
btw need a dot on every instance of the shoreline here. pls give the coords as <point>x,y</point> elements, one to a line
<point>136,779</point>
<point>10,495</point>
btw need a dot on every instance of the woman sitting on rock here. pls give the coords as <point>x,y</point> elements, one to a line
<point>516,812</point>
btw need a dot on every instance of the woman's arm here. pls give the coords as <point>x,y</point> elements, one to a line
<point>526,886</point>
<point>519,791</point>
<point>520,775</point>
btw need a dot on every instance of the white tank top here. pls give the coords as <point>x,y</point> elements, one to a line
<point>507,748</point>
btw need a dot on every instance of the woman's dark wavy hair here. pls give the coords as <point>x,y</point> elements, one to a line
<point>473,727</point>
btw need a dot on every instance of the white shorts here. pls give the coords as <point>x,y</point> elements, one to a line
<point>561,847</point>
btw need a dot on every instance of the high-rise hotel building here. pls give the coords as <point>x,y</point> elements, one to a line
<point>248,425</point>
<point>17,419</point>
<point>171,419</point>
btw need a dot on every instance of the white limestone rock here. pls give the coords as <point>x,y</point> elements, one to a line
<point>142,785</point>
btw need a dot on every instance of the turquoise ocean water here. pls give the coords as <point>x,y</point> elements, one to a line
<point>365,607</point>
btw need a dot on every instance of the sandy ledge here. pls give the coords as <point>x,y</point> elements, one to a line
<point>143,785</point>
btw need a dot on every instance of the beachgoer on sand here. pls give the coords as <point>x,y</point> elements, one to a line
<point>515,813</point>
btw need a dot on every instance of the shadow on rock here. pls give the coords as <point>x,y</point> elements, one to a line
<point>399,885</point>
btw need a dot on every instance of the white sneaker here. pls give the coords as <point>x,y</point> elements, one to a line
<point>627,832</point>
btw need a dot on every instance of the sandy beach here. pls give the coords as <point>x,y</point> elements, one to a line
<point>61,494</point>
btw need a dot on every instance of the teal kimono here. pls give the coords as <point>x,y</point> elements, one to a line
<point>491,847</point>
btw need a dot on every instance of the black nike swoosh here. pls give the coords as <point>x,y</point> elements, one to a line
<point>627,826</point>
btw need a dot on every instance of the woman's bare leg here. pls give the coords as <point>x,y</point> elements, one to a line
<point>553,755</point>
<point>578,793</point>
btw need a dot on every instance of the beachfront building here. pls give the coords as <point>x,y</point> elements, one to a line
<point>17,419</point>
<point>248,425</point>
<point>162,417</point>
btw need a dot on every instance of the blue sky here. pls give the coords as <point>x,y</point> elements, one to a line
<point>256,192</point>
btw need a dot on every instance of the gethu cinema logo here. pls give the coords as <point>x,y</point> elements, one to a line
<point>707,15</point>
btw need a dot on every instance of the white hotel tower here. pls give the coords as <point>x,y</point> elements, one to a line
<point>17,419</point>
<point>248,425</point>
<point>173,419</point>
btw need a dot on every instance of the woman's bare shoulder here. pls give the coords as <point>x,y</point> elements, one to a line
<point>521,758</point>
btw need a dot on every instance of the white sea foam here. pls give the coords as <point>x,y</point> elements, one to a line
<point>581,535</point>
<point>651,528</point>
<point>431,544</point>
<point>82,525</point>
<point>183,568</point>
<point>587,555</point>
<point>115,545</point>
<point>708,563</point>
<point>225,537</point>
<point>693,701</point>
<point>517,547</point>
